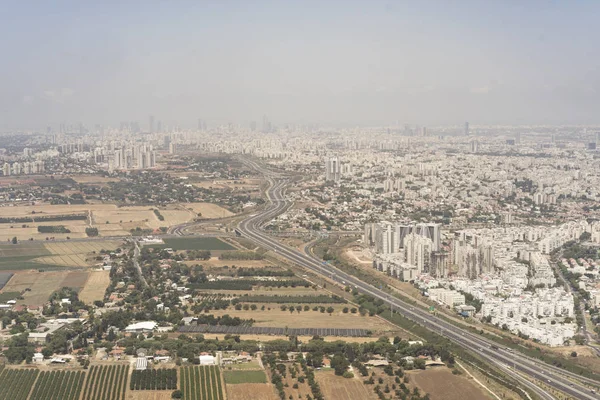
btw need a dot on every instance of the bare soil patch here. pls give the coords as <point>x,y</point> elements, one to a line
<point>251,391</point>
<point>441,384</point>
<point>340,388</point>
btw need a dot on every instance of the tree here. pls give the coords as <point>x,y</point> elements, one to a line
<point>339,364</point>
<point>330,310</point>
<point>14,240</point>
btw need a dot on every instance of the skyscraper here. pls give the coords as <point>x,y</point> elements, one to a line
<point>266,124</point>
<point>466,129</point>
<point>151,124</point>
<point>333,170</point>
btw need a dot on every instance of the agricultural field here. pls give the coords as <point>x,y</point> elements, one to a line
<point>154,379</point>
<point>106,382</point>
<point>251,391</point>
<point>58,385</point>
<point>441,384</point>
<point>4,278</point>
<point>95,286</point>
<point>43,284</point>
<point>201,383</point>
<point>248,376</point>
<point>50,255</point>
<point>278,318</point>
<point>336,387</point>
<point>208,210</point>
<point>194,243</point>
<point>110,219</point>
<point>15,384</point>
<point>248,384</point>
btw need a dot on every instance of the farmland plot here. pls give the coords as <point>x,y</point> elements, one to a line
<point>15,384</point>
<point>106,382</point>
<point>201,383</point>
<point>58,385</point>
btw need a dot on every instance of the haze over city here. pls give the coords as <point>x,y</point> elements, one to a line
<point>338,63</point>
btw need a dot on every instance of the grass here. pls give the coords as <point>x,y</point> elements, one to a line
<point>6,296</point>
<point>235,377</point>
<point>28,263</point>
<point>203,243</point>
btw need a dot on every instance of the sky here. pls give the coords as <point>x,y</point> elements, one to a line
<point>338,63</point>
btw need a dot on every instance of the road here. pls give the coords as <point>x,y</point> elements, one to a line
<point>514,364</point>
<point>136,262</point>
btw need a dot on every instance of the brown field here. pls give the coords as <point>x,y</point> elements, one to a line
<point>148,394</point>
<point>441,384</point>
<point>251,391</point>
<point>120,219</point>
<point>75,254</point>
<point>93,179</point>
<point>309,319</point>
<point>43,284</point>
<point>208,210</point>
<point>339,388</point>
<point>95,286</point>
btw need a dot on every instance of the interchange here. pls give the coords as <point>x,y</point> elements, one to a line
<point>511,362</point>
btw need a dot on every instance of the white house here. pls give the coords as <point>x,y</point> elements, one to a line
<point>141,327</point>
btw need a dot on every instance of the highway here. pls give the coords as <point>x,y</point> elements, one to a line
<point>512,363</point>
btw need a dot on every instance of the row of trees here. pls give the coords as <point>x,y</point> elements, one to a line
<point>16,384</point>
<point>154,379</point>
<point>106,382</point>
<point>65,385</point>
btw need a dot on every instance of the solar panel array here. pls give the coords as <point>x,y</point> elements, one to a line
<point>255,330</point>
<point>4,278</point>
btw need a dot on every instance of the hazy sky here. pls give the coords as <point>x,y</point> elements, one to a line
<point>333,62</point>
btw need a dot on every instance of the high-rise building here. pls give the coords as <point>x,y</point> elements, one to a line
<point>266,125</point>
<point>332,169</point>
<point>466,129</point>
<point>6,169</point>
<point>474,146</point>
<point>417,250</point>
<point>151,124</point>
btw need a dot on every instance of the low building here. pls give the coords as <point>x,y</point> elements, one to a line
<point>141,327</point>
<point>141,364</point>
<point>207,360</point>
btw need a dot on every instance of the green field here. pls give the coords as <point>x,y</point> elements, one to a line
<point>28,249</point>
<point>14,257</point>
<point>192,243</point>
<point>245,377</point>
<point>6,296</point>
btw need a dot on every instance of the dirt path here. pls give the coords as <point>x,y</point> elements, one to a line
<point>478,381</point>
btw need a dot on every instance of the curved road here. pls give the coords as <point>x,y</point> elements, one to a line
<point>513,363</point>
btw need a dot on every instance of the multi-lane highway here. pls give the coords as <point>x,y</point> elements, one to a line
<point>513,363</point>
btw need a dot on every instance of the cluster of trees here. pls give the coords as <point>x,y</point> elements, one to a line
<point>263,272</point>
<point>241,255</point>
<point>91,232</point>
<point>158,215</point>
<point>248,284</point>
<point>199,255</point>
<point>225,320</point>
<point>154,379</point>
<point>319,299</point>
<point>53,229</point>
<point>43,218</point>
